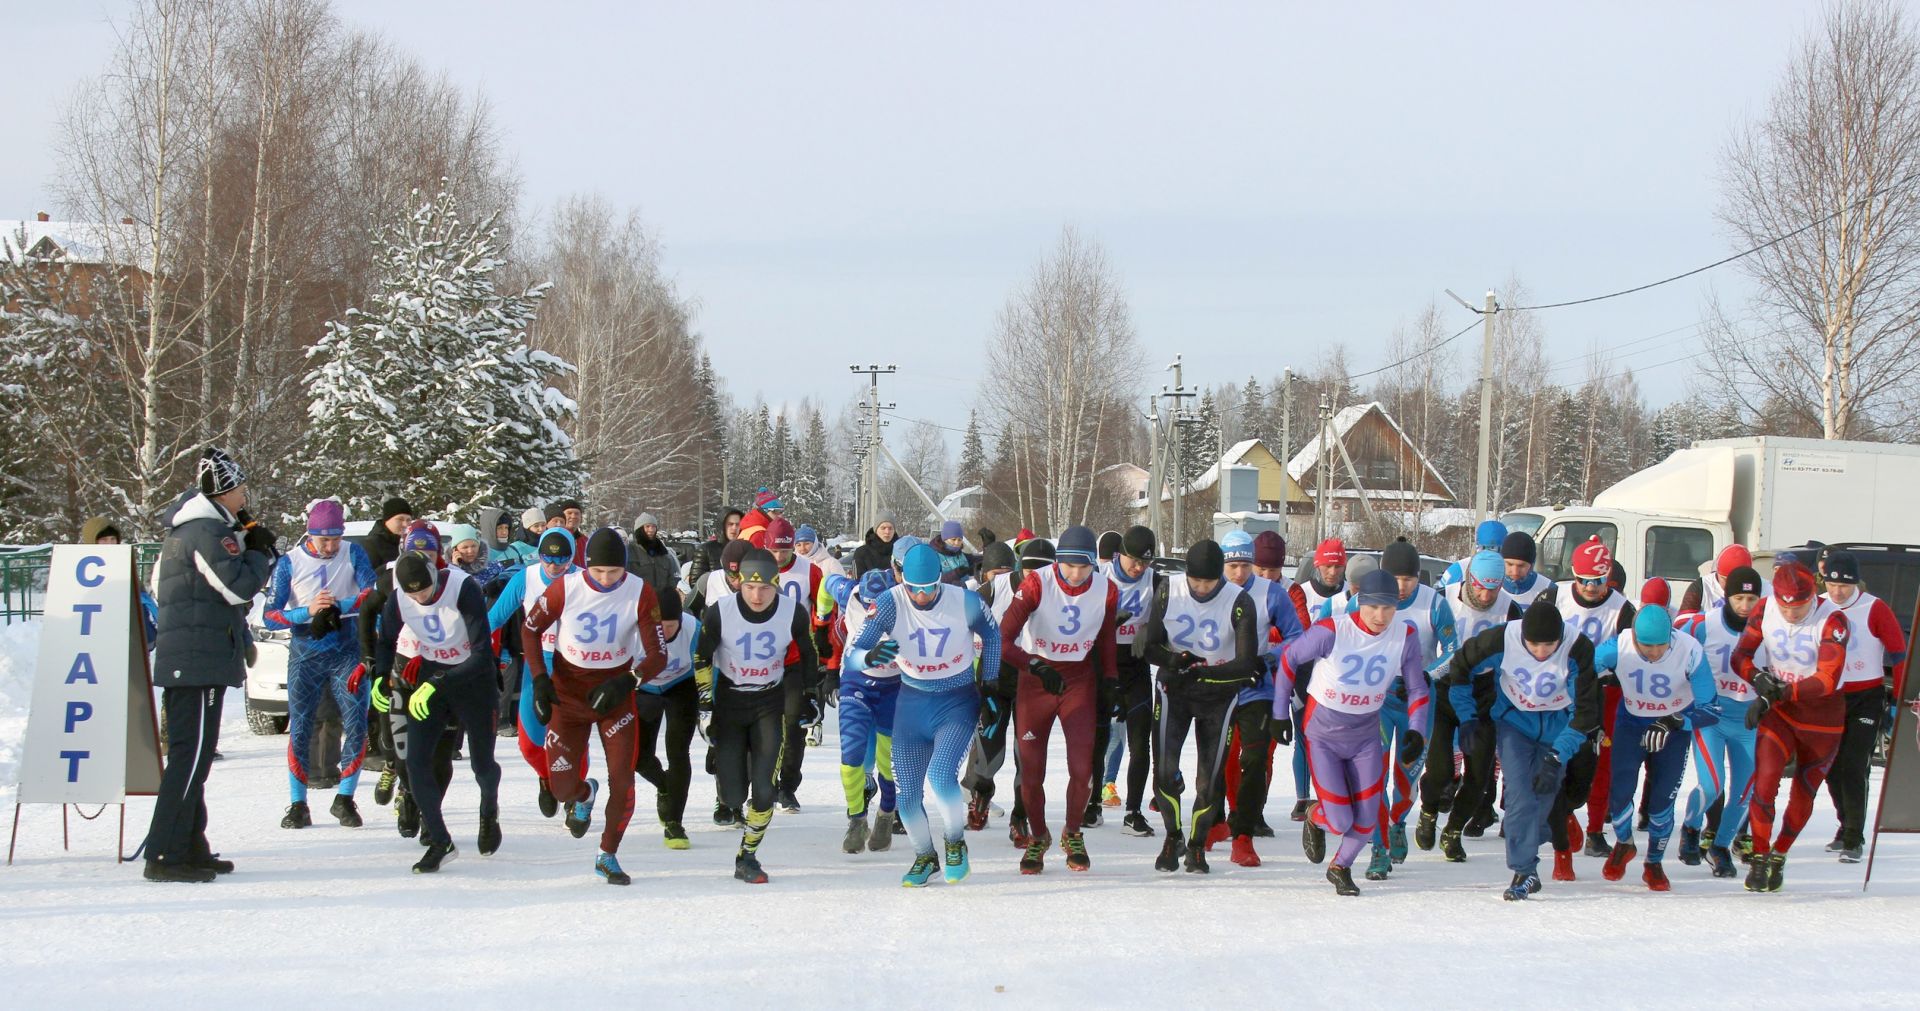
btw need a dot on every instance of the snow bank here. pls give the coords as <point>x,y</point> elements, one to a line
<point>19,644</point>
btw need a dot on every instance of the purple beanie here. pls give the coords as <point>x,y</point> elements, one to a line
<point>326,519</point>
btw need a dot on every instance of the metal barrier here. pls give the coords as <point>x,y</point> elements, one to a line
<point>23,578</point>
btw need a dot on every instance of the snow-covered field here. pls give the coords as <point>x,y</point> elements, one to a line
<point>332,917</point>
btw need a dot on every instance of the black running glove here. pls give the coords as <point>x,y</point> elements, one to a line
<point>1546,779</point>
<point>543,699</point>
<point>1656,736</point>
<point>1412,743</point>
<point>1050,678</point>
<point>608,695</point>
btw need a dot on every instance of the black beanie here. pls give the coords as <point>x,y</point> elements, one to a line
<point>1109,544</point>
<point>555,511</point>
<point>218,473</point>
<point>1400,559</point>
<point>999,555</point>
<point>1138,542</point>
<point>670,604</point>
<point>607,547</point>
<point>1205,560</point>
<point>1542,622</point>
<point>1036,553</point>
<point>413,572</point>
<point>1745,579</point>
<point>735,550</point>
<point>395,506</point>
<point>1519,547</point>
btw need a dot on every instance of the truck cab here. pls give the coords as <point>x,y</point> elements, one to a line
<point>1647,545</point>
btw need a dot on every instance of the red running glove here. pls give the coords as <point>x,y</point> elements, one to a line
<point>353,680</point>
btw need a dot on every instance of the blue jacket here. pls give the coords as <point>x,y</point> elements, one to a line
<point>1472,690</point>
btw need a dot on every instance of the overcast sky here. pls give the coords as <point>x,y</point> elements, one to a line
<point>867,182</point>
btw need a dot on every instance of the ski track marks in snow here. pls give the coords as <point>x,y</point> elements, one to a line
<point>328,917</point>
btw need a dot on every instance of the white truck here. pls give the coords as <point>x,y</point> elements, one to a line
<point>1764,492</point>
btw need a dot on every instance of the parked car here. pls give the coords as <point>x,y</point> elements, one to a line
<point>266,685</point>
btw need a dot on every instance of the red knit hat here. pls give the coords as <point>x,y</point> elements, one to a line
<point>1731,557</point>
<point>1793,584</point>
<point>1330,552</point>
<point>1656,592</point>
<point>779,534</point>
<point>1592,560</point>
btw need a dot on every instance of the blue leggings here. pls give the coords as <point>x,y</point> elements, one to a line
<point>931,734</point>
<point>1723,756</point>
<point>1666,767</point>
<point>311,672</point>
<point>867,716</point>
<point>1116,750</point>
<point>1302,776</point>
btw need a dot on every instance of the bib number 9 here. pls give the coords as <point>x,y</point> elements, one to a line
<point>436,631</point>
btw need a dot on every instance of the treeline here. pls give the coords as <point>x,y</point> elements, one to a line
<point>235,162</point>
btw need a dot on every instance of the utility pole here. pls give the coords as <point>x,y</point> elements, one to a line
<point>867,495</point>
<point>1480,505</point>
<point>1323,484</point>
<point>1156,471</point>
<point>1286,449</point>
<point>1177,417</point>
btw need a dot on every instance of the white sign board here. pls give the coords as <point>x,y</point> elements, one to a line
<point>91,735</point>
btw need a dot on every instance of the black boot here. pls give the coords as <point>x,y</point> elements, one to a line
<point>746,867</point>
<point>437,853</point>
<point>406,816</point>
<point>489,835</point>
<point>343,809</point>
<point>1313,840</point>
<point>1451,848</point>
<point>1690,846</point>
<point>1197,860</point>
<point>181,873</point>
<point>1170,853</point>
<point>549,805</point>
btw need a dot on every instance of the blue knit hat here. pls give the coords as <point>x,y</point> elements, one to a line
<point>903,544</point>
<point>1652,626</point>
<point>1237,546</point>
<point>921,569</point>
<point>1077,545</point>
<point>1378,589</point>
<point>1490,534</point>
<point>875,582</point>
<point>806,534</point>
<point>1487,570</point>
<point>952,529</point>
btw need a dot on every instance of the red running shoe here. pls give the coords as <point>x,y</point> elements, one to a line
<point>1617,861</point>
<point>1656,878</point>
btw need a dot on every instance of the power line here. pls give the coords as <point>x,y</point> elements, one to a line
<point>1769,244</point>
<point>1422,353</point>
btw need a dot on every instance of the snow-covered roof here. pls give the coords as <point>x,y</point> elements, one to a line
<point>1434,521</point>
<point>1209,477</point>
<point>72,241</point>
<point>1343,423</point>
<point>952,501</point>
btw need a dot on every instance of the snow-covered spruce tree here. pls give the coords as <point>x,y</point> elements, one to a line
<point>432,390</point>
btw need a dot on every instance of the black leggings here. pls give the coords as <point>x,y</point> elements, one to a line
<point>748,739</point>
<point>1250,801</point>
<point>1207,717</point>
<point>1135,692</point>
<point>472,699</point>
<point>1476,784</point>
<point>679,708</point>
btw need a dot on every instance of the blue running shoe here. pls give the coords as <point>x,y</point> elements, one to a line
<point>580,813</point>
<point>958,867</point>
<point>608,866</point>
<point>921,872</point>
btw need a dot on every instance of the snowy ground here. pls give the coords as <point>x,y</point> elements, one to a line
<point>328,916</point>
